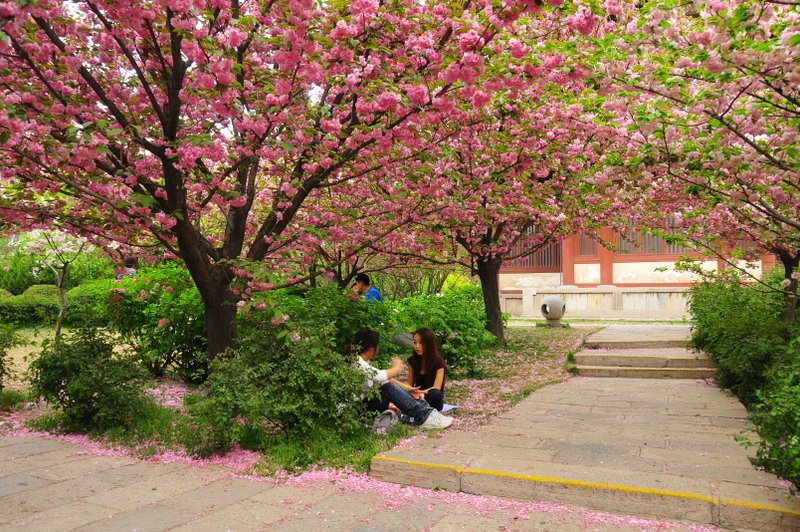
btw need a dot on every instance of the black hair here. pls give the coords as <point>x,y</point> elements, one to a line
<point>430,354</point>
<point>363,278</point>
<point>365,339</point>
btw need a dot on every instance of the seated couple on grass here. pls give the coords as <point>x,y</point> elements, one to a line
<point>392,391</point>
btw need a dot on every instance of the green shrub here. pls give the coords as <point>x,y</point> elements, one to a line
<point>459,319</point>
<point>5,294</point>
<point>87,304</point>
<point>94,388</point>
<point>42,290</point>
<point>740,329</point>
<point>27,310</point>
<point>343,313</point>
<point>8,339</point>
<point>16,269</point>
<point>279,382</point>
<point>776,416</point>
<point>159,312</point>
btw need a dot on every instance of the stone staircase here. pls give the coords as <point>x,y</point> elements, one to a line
<point>644,355</point>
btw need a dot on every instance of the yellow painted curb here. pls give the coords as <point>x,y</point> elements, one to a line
<point>594,485</point>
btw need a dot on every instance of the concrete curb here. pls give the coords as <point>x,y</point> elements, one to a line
<point>608,497</point>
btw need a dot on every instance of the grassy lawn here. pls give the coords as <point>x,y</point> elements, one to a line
<point>532,358</point>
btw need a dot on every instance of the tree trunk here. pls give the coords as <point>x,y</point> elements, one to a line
<point>790,265</point>
<point>220,324</point>
<point>213,281</point>
<point>61,274</point>
<point>488,272</point>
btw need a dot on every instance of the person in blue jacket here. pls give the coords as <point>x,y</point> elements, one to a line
<point>362,286</point>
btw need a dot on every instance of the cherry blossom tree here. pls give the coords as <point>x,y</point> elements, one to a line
<point>203,126</point>
<point>709,91</point>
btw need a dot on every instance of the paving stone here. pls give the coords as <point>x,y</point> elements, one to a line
<point>215,495</point>
<point>245,515</point>
<point>130,470</point>
<point>20,482</point>
<point>29,446</point>
<point>334,513</point>
<point>52,494</point>
<point>13,465</point>
<point>76,467</point>
<point>152,489</point>
<point>152,517</point>
<point>70,516</point>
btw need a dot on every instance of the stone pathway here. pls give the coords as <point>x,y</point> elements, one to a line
<point>48,485</point>
<point>654,448</point>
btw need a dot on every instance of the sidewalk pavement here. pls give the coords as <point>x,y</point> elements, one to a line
<point>49,485</point>
<point>655,448</point>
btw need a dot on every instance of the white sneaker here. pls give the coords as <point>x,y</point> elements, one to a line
<point>437,421</point>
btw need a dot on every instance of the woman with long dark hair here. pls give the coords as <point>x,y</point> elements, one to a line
<point>426,369</point>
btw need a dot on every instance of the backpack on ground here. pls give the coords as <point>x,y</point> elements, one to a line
<point>382,423</point>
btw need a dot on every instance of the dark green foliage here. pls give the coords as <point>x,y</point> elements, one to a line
<point>87,304</point>
<point>776,416</point>
<point>279,382</point>
<point>159,313</point>
<point>758,357</point>
<point>17,271</point>
<point>28,310</point>
<point>20,269</point>
<point>345,314</point>
<point>8,339</point>
<point>94,388</point>
<point>459,319</point>
<point>740,328</point>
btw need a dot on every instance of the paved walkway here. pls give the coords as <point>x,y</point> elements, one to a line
<point>48,485</point>
<point>655,448</point>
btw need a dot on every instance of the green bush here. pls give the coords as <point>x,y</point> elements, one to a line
<point>42,290</point>
<point>8,339</point>
<point>26,310</point>
<point>16,270</point>
<point>279,382</point>
<point>5,294</point>
<point>740,328</point>
<point>160,314</point>
<point>87,304</point>
<point>459,319</point>
<point>776,416</point>
<point>94,388</point>
<point>343,313</point>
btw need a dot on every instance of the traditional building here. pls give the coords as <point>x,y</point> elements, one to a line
<point>637,280</point>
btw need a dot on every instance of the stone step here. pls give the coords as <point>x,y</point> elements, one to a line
<point>671,357</point>
<point>645,372</point>
<point>638,337</point>
<point>643,343</point>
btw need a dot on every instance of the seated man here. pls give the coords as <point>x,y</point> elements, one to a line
<point>365,342</point>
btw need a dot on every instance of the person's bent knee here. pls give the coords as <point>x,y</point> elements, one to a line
<point>435,398</point>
